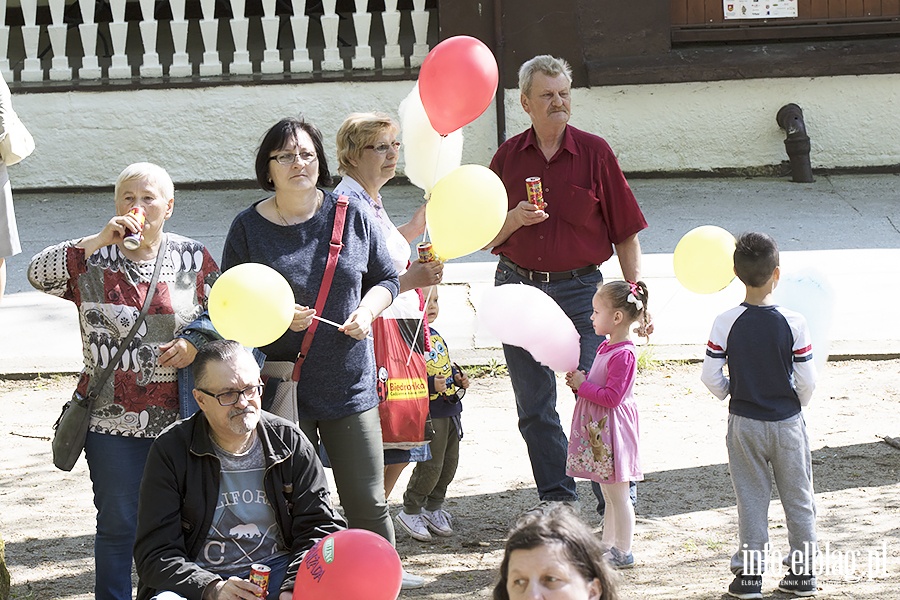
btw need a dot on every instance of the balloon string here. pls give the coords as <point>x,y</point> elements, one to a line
<point>418,327</point>
<point>335,324</point>
<point>437,164</point>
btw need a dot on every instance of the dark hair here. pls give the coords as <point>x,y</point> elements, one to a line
<point>618,293</point>
<point>215,351</point>
<point>755,258</point>
<point>558,526</point>
<point>280,134</point>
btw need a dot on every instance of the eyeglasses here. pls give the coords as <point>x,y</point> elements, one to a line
<point>287,159</point>
<point>231,398</point>
<point>383,148</point>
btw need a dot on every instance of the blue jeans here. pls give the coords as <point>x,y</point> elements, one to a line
<point>116,464</point>
<point>534,385</point>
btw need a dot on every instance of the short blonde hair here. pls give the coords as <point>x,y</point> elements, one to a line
<point>546,64</point>
<point>358,131</point>
<point>156,175</point>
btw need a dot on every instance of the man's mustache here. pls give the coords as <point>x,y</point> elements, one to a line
<point>248,410</point>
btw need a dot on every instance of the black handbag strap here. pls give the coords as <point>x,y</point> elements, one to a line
<point>97,382</point>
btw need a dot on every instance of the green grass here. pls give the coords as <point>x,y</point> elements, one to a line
<point>646,361</point>
<point>494,368</point>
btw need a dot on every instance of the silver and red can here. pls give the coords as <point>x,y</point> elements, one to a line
<point>259,574</point>
<point>426,252</point>
<point>133,240</point>
<point>535,192</point>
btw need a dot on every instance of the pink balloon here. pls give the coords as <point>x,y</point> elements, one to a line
<point>353,563</point>
<point>524,316</point>
<point>457,82</point>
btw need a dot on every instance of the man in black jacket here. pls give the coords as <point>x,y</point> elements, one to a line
<point>230,487</point>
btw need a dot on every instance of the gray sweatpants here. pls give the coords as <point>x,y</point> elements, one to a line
<point>753,445</point>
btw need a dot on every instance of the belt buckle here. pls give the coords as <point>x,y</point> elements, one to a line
<point>543,276</point>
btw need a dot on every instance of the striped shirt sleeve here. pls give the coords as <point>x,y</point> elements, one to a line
<point>804,366</point>
<point>713,375</point>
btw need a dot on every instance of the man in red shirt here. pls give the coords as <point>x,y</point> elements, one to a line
<point>590,210</point>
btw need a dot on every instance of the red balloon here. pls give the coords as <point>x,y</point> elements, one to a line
<point>457,81</point>
<point>347,565</point>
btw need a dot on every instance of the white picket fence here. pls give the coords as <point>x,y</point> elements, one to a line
<point>290,37</point>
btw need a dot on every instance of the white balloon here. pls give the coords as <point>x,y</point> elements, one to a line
<point>427,155</point>
<point>524,316</point>
<point>809,292</point>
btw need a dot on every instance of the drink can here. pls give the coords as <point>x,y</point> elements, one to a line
<point>535,192</point>
<point>133,241</point>
<point>426,252</point>
<point>259,574</point>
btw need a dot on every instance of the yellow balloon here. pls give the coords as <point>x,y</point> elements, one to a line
<point>252,304</point>
<point>704,259</point>
<point>466,211</point>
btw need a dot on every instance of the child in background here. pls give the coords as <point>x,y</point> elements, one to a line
<point>422,512</point>
<point>603,444</point>
<point>771,375</point>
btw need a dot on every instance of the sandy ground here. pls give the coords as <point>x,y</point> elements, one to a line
<point>686,509</point>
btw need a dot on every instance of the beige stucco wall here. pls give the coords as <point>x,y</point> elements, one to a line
<point>852,122</point>
<point>210,134</point>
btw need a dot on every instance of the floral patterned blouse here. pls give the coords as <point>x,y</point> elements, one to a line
<point>140,398</point>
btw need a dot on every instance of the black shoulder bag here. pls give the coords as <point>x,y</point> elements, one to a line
<point>70,429</point>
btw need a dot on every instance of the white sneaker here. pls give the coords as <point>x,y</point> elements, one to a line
<point>411,582</point>
<point>415,526</point>
<point>439,522</point>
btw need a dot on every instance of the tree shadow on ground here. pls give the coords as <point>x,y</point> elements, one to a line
<point>482,521</point>
<point>709,487</point>
<point>32,554</point>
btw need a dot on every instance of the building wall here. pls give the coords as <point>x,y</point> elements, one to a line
<point>210,134</point>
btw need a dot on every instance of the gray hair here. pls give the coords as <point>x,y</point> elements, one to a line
<point>217,351</point>
<point>546,64</point>
<point>154,174</point>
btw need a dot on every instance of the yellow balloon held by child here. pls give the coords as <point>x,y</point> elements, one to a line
<point>704,259</point>
<point>252,304</point>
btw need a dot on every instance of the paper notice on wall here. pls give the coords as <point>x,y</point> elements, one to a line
<point>759,9</point>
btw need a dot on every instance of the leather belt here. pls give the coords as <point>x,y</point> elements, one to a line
<point>548,276</point>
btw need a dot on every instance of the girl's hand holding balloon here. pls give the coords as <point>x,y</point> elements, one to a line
<point>359,323</point>
<point>303,318</point>
<point>574,379</point>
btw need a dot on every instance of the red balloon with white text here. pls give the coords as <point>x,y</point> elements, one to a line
<point>349,564</point>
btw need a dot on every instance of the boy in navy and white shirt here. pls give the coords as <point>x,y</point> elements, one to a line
<point>771,376</point>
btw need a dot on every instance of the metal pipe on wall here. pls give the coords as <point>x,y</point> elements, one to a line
<point>500,96</point>
<point>796,142</point>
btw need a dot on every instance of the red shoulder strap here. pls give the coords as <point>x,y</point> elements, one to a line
<point>334,250</point>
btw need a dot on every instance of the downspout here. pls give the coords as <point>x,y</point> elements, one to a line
<point>790,118</point>
<point>500,96</point>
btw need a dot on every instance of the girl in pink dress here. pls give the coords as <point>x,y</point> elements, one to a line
<point>603,445</point>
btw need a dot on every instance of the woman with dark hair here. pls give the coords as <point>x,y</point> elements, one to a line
<point>334,392</point>
<point>553,554</point>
